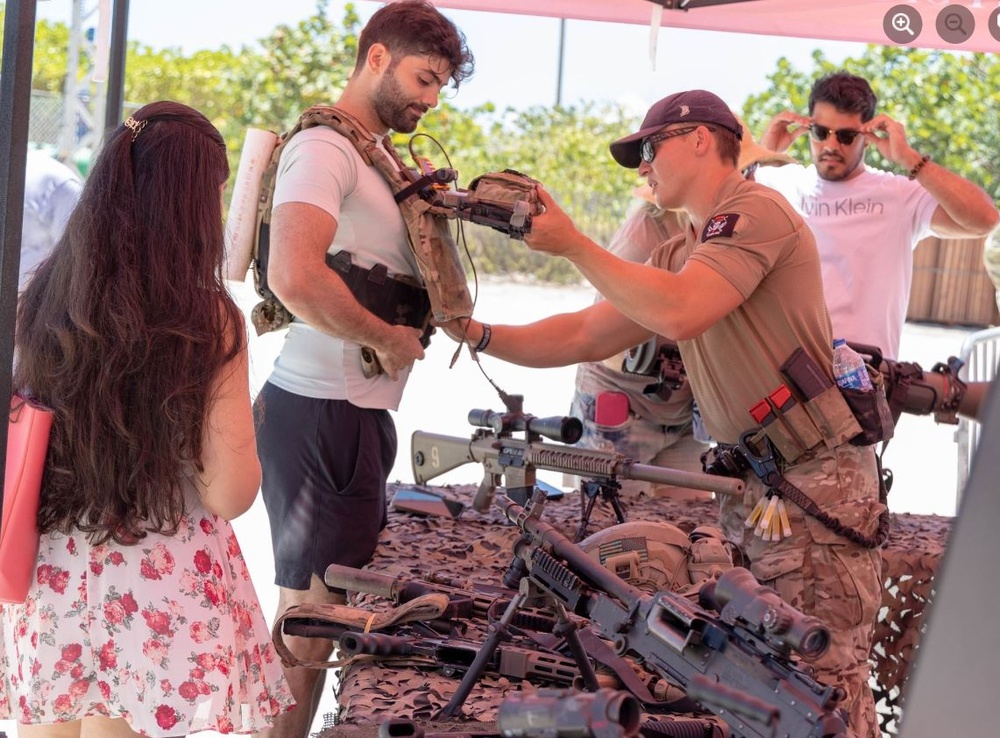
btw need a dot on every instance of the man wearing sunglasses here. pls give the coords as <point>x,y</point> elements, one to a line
<point>620,409</point>
<point>739,291</point>
<point>866,221</point>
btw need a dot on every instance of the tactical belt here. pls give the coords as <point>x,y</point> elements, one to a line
<point>396,300</point>
<point>764,464</point>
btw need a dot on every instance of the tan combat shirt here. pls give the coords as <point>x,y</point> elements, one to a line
<point>757,242</point>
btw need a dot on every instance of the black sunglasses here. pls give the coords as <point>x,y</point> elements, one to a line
<point>845,136</point>
<point>647,148</point>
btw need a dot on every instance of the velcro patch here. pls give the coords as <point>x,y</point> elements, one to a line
<point>720,225</point>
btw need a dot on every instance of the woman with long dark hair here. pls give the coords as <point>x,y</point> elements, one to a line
<point>142,618</point>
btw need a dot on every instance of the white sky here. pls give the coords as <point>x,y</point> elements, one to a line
<point>516,56</point>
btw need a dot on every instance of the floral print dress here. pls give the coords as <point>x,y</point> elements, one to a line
<point>167,633</point>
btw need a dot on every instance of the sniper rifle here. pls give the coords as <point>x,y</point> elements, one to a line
<point>516,460</point>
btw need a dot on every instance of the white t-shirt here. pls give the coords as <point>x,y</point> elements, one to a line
<point>322,168</point>
<point>866,229</point>
<point>51,190</point>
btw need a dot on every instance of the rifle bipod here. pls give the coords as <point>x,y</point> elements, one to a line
<point>499,631</point>
<point>606,489</point>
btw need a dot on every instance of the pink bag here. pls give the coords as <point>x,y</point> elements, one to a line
<point>27,443</point>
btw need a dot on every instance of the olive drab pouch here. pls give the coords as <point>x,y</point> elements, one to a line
<point>871,409</point>
<point>833,416</point>
<point>507,191</point>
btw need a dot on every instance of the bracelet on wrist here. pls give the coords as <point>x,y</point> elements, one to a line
<point>918,166</point>
<point>485,340</point>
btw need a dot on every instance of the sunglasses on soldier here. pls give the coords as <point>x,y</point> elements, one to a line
<point>647,149</point>
<point>845,136</point>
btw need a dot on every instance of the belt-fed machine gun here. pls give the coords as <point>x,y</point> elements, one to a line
<point>514,461</point>
<point>735,651</point>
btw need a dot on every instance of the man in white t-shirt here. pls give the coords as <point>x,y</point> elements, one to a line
<point>51,190</point>
<point>866,221</point>
<point>325,436</point>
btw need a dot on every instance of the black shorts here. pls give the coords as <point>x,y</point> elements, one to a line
<point>325,464</point>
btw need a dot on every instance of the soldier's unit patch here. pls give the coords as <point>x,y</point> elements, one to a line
<point>720,225</point>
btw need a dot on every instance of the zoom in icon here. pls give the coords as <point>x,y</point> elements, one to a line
<point>902,24</point>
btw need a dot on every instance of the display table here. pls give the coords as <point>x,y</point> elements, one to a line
<point>477,548</point>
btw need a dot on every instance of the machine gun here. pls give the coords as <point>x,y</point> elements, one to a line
<point>516,460</point>
<point>466,599</point>
<point>451,654</point>
<point>733,652</point>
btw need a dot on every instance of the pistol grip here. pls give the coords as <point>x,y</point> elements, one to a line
<point>484,495</point>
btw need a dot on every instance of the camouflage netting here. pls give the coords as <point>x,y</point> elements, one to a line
<point>476,548</point>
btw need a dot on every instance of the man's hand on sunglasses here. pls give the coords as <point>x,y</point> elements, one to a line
<point>783,129</point>
<point>889,136</point>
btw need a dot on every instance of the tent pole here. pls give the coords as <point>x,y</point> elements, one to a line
<point>562,55</point>
<point>113,109</point>
<point>15,103</point>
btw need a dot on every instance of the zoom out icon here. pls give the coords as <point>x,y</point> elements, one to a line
<point>902,24</point>
<point>955,24</point>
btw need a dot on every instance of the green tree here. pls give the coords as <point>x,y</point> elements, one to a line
<point>297,66</point>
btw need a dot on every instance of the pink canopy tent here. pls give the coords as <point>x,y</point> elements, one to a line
<point>837,20</point>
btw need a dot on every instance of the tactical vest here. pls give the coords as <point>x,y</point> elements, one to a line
<point>444,295</point>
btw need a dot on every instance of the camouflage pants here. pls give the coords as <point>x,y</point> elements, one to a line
<point>820,572</point>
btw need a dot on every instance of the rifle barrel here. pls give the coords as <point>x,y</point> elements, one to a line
<point>587,462</point>
<point>680,478</point>
<point>360,580</point>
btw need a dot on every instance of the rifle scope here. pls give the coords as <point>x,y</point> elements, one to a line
<point>566,429</point>
<point>741,600</point>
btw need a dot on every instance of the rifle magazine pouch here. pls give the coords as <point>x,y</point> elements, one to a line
<point>832,416</point>
<point>801,426</point>
<point>783,439</point>
<point>871,409</point>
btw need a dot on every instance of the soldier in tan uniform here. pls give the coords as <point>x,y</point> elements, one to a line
<point>650,425</point>
<point>739,293</point>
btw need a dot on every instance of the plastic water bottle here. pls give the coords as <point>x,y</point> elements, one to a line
<point>849,368</point>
